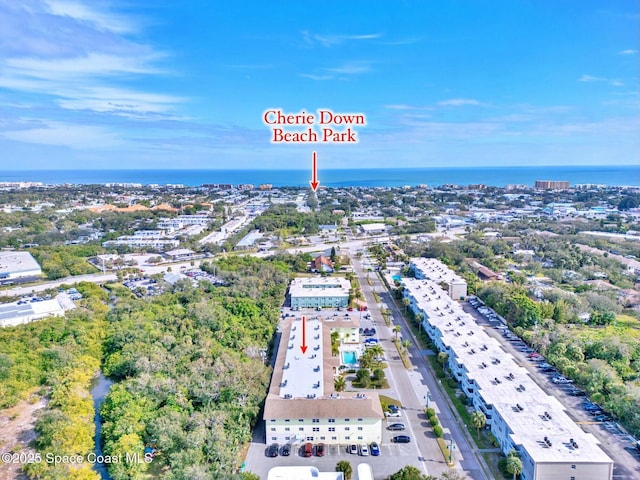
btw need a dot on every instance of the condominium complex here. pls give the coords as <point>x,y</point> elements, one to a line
<point>319,292</point>
<point>302,404</point>
<point>433,269</point>
<point>519,413</point>
<point>551,185</point>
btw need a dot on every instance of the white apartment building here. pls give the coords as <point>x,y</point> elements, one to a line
<point>311,292</point>
<point>434,269</point>
<point>519,413</point>
<point>302,404</point>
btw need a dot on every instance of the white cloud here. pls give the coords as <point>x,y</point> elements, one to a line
<point>616,83</point>
<point>459,102</point>
<point>316,77</point>
<point>91,75</point>
<point>65,135</point>
<point>102,20</point>
<point>351,68</point>
<point>590,78</point>
<point>628,52</point>
<point>331,40</point>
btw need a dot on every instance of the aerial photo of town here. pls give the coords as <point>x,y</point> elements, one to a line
<point>334,241</point>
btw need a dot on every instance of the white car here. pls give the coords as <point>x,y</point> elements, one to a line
<point>393,414</point>
<point>364,450</point>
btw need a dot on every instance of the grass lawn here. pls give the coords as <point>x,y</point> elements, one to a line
<point>625,327</point>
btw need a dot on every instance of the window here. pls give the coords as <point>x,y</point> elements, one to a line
<point>332,429</point>
<point>316,420</point>
<point>286,419</point>
<point>301,419</point>
<point>359,438</point>
<point>332,420</point>
<point>322,438</point>
<point>275,438</point>
<point>360,428</point>
<point>273,429</point>
<point>573,467</point>
<point>573,478</point>
<point>301,429</point>
<point>359,419</point>
<point>286,429</point>
<point>347,419</point>
<point>316,429</point>
<point>273,420</point>
<point>346,429</point>
<point>309,439</point>
<point>334,438</point>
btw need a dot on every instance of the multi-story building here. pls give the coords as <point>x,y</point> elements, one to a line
<point>519,413</point>
<point>434,269</point>
<point>313,292</point>
<point>302,404</point>
<point>551,185</point>
<point>18,265</point>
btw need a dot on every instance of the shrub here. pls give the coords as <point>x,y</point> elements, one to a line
<point>437,431</point>
<point>430,412</point>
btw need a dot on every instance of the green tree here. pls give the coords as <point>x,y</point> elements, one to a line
<point>442,359</point>
<point>406,302</point>
<point>345,467</point>
<point>514,464</point>
<point>409,473</point>
<point>478,420</point>
<point>339,383</point>
<point>397,329</point>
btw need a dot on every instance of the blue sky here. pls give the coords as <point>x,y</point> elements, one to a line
<point>139,84</point>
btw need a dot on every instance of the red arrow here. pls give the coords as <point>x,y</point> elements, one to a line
<point>314,182</point>
<point>303,347</point>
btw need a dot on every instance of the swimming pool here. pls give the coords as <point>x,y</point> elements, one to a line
<point>396,277</point>
<point>349,358</point>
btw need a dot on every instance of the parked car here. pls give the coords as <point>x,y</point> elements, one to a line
<point>308,449</point>
<point>353,449</point>
<point>393,408</point>
<point>320,450</point>
<point>401,439</point>
<point>364,450</point>
<point>286,450</point>
<point>375,449</point>
<point>396,427</point>
<point>393,414</point>
<point>273,450</point>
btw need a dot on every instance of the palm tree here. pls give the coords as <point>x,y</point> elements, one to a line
<point>478,420</point>
<point>406,302</point>
<point>406,344</point>
<point>344,467</point>
<point>442,359</point>
<point>419,318</point>
<point>339,384</point>
<point>514,464</point>
<point>396,330</point>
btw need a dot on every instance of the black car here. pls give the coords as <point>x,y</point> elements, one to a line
<point>286,450</point>
<point>396,426</point>
<point>401,439</point>
<point>273,450</point>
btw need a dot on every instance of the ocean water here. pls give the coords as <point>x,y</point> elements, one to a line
<point>493,176</point>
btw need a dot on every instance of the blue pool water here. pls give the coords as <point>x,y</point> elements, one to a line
<point>397,277</point>
<point>349,358</point>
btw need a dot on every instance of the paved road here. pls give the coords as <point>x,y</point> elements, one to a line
<point>413,386</point>
<point>93,277</point>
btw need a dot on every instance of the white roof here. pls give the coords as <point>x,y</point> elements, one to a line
<point>302,374</point>
<point>319,286</point>
<point>15,262</point>
<point>529,412</point>
<point>435,270</point>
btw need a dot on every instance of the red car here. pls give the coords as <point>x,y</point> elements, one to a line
<point>308,449</point>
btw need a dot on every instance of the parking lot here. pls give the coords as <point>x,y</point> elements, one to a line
<point>618,444</point>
